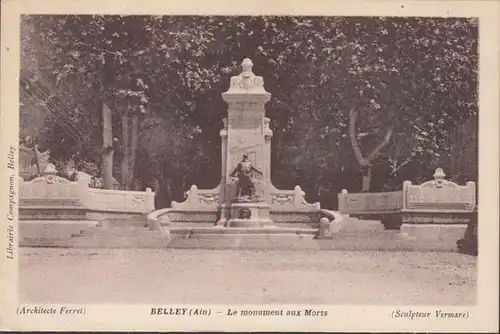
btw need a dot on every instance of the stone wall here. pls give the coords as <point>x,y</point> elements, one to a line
<point>54,197</point>
<point>120,200</point>
<point>443,196</point>
<point>437,201</point>
<point>199,200</point>
<point>291,201</point>
<point>370,203</point>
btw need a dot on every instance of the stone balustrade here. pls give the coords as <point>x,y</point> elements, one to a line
<point>291,200</point>
<point>438,201</point>
<point>199,199</point>
<point>54,197</point>
<point>434,203</point>
<point>370,203</point>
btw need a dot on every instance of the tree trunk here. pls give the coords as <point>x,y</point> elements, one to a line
<point>365,163</point>
<point>366,179</point>
<point>126,152</point>
<point>133,151</point>
<point>156,189</point>
<point>107,148</point>
<point>352,137</point>
<point>168,191</point>
<point>37,163</point>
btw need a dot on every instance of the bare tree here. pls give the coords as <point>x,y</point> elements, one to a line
<point>365,162</point>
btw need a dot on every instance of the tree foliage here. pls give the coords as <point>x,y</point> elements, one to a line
<point>416,77</point>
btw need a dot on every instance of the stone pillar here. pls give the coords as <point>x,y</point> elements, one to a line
<point>223,135</point>
<point>268,135</point>
<point>246,132</point>
<point>150,200</point>
<point>246,124</point>
<point>83,180</point>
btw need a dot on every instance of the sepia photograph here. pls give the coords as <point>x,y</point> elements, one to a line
<point>267,160</point>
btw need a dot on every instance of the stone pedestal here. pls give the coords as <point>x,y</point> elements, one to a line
<point>246,132</point>
<point>245,187</point>
<point>249,215</point>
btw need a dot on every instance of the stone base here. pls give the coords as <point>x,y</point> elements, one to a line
<point>257,238</point>
<point>51,229</point>
<point>253,215</point>
<point>468,244</point>
<point>353,236</point>
<point>247,241</point>
<point>53,214</point>
<point>249,223</point>
<point>437,233</point>
<point>101,236</point>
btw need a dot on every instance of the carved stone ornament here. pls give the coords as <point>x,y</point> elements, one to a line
<point>50,170</point>
<point>49,174</point>
<point>50,179</point>
<point>247,80</point>
<point>138,200</point>
<point>439,176</point>
<point>208,198</point>
<point>282,199</point>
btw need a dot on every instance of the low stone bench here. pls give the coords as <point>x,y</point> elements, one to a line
<point>385,206</point>
<point>433,203</point>
<point>53,205</point>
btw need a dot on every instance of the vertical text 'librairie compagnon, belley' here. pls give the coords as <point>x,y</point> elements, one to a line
<point>11,163</point>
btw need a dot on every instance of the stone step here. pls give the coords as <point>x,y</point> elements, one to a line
<point>370,238</point>
<point>387,241</point>
<point>53,228</point>
<point>46,242</point>
<point>245,241</point>
<point>105,231</point>
<point>433,231</point>
<point>151,240</point>
<point>120,222</point>
<point>390,241</point>
<point>242,230</point>
<point>104,238</point>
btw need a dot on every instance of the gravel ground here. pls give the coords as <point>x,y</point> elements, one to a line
<point>105,276</point>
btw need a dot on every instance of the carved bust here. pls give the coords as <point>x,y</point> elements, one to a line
<point>247,80</point>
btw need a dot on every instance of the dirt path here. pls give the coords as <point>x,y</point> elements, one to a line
<point>197,276</point>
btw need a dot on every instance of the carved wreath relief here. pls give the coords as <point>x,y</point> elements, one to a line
<point>209,198</point>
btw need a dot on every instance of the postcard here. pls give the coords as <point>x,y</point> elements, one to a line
<point>319,166</point>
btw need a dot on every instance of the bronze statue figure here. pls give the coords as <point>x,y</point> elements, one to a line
<point>245,186</point>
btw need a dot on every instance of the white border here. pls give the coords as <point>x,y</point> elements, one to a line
<point>483,316</point>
